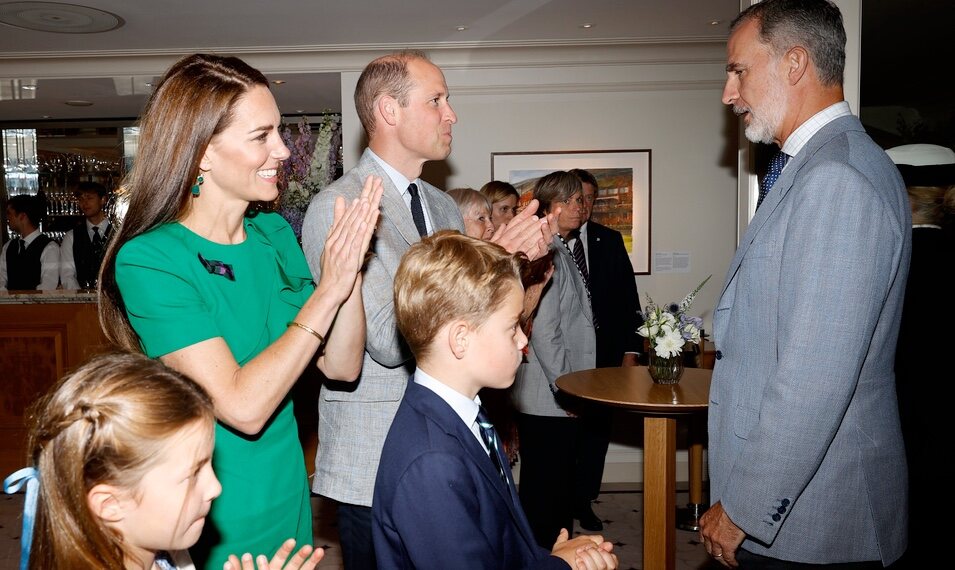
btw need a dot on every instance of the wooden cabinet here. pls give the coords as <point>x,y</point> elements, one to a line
<point>42,337</point>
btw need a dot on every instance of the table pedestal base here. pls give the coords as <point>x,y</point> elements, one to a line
<point>688,517</point>
<point>659,493</point>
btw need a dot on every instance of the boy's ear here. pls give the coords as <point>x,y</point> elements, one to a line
<point>105,502</point>
<point>458,336</point>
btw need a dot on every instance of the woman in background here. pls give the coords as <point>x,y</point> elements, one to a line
<point>222,293</point>
<point>562,341</point>
<point>476,211</point>
<point>504,199</point>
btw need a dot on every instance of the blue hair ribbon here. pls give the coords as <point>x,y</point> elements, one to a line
<point>27,476</point>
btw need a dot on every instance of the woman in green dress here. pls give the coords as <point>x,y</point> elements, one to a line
<point>220,292</point>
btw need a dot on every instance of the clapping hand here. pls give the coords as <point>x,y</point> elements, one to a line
<point>305,559</point>
<point>527,232</point>
<point>348,240</point>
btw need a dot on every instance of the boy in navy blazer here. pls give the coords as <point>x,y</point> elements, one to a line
<point>443,498</point>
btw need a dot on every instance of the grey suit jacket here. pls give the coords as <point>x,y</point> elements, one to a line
<point>562,339</point>
<point>353,418</point>
<point>805,449</point>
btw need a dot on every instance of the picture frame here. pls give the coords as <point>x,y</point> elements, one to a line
<point>623,193</point>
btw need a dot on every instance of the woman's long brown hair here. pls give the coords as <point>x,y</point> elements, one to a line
<point>193,102</point>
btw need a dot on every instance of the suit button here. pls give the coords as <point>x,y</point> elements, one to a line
<point>781,510</point>
<point>719,355</point>
<point>784,502</point>
<point>777,518</point>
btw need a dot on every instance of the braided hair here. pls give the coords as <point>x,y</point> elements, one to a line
<point>107,422</point>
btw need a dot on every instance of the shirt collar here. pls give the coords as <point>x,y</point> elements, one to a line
<point>102,225</point>
<point>464,407</point>
<point>397,178</point>
<point>813,125</point>
<point>28,239</point>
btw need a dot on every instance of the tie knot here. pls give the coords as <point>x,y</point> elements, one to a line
<point>96,230</point>
<point>778,161</point>
<point>413,190</point>
<point>482,419</point>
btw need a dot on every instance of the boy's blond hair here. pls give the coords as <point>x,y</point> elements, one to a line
<point>450,276</point>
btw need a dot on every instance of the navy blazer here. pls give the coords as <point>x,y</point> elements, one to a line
<point>439,500</point>
<point>614,296</point>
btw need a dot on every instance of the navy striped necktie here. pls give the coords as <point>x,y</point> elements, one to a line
<point>493,443</point>
<point>580,259</point>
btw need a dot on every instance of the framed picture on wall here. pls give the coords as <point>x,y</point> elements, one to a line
<point>623,193</point>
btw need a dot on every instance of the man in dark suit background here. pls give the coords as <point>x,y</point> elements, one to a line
<point>929,173</point>
<point>616,306</point>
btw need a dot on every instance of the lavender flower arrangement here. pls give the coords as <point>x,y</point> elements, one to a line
<point>669,327</point>
<point>310,167</point>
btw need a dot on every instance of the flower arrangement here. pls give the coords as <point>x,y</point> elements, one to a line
<point>668,327</point>
<point>311,166</point>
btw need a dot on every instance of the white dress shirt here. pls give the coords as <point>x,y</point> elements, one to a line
<point>464,407</point>
<point>401,183</point>
<point>67,263</point>
<point>49,263</point>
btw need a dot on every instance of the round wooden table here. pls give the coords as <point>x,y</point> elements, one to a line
<point>633,389</point>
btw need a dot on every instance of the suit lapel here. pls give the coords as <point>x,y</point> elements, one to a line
<point>444,213</point>
<point>783,185</point>
<point>393,206</point>
<point>432,406</point>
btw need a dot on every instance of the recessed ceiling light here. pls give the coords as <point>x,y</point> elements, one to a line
<point>586,26</point>
<point>58,18</point>
<point>715,22</point>
<point>28,87</point>
<point>148,84</point>
<point>278,81</point>
<point>79,103</point>
<point>461,28</point>
<point>45,117</point>
<point>299,110</point>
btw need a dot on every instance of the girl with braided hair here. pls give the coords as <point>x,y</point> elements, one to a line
<point>121,474</point>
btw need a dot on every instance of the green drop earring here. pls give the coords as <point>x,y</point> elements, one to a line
<point>195,187</point>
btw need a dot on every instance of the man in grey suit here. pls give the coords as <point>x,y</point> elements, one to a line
<point>805,450</point>
<point>402,101</point>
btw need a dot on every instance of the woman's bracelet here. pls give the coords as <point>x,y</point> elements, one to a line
<point>309,330</point>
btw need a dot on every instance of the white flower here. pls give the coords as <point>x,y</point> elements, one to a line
<point>669,345</point>
<point>668,328</point>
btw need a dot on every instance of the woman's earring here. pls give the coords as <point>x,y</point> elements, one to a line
<point>195,187</point>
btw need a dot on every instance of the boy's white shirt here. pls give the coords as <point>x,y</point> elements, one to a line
<point>464,407</point>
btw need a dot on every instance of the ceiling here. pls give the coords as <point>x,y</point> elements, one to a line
<point>905,48</point>
<point>249,28</point>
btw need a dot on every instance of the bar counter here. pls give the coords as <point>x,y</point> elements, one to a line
<point>43,334</point>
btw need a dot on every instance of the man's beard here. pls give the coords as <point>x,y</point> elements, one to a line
<point>765,121</point>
